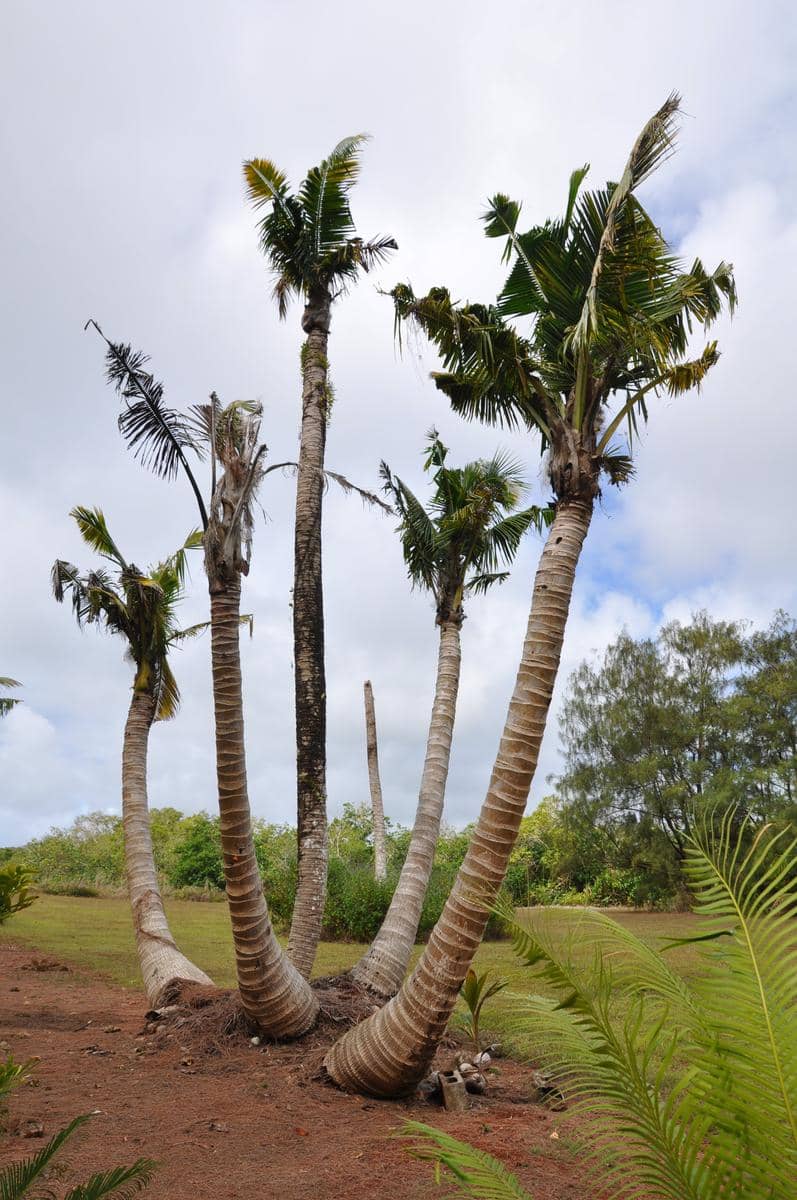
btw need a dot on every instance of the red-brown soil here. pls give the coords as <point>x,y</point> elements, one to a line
<point>252,1121</point>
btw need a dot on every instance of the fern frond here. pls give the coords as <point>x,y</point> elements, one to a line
<point>476,1174</point>
<point>17,1178</point>
<point>120,1183</point>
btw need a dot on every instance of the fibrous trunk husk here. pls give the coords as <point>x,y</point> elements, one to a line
<point>388,1054</point>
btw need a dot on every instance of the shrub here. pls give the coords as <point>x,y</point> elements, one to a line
<point>15,890</point>
<point>196,858</point>
<point>57,887</point>
<point>356,902</point>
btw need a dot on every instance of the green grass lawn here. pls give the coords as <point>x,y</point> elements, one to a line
<point>97,934</point>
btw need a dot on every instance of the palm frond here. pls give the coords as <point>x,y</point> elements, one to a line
<point>477,585</point>
<point>158,436</point>
<point>265,183</point>
<point>744,883</point>
<point>324,195</point>
<point>474,1172</point>
<point>17,1178</point>
<point>689,1090</point>
<point>654,143</point>
<point>120,1183</point>
<point>347,486</point>
<point>490,374</point>
<point>95,533</point>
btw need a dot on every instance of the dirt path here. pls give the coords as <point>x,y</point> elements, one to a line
<point>278,1131</point>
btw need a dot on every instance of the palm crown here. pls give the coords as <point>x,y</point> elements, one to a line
<point>140,607</point>
<point>472,528</point>
<point>8,702</point>
<point>612,310</point>
<point>309,237</point>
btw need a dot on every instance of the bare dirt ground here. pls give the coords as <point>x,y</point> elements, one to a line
<point>249,1122</point>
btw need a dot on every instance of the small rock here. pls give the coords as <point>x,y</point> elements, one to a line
<point>547,1092</point>
<point>483,1059</point>
<point>112,1029</point>
<point>33,1129</point>
<point>475,1083</point>
<point>255,1041</point>
<point>430,1086</point>
<point>219,1127</point>
<point>13,989</point>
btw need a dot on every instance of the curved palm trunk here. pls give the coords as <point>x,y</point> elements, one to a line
<point>308,657</point>
<point>160,961</point>
<point>388,1054</point>
<point>374,783</point>
<point>384,965</point>
<point>273,993</point>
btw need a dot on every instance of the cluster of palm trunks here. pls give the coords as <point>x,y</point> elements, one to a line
<point>594,318</point>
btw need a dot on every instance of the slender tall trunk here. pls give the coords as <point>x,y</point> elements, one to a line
<point>308,656</point>
<point>160,961</point>
<point>384,965</point>
<point>388,1054</point>
<point>374,783</point>
<point>273,993</point>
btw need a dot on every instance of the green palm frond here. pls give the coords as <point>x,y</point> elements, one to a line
<point>489,371</point>
<point>8,702</point>
<point>689,1091</point>
<point>17,1178</point>
<point>477,585</point>
<point>265,183</point>
<point>95,533</point>
<point>474,1173</point>
<point>12,1074</point>
<point>744,881</point>
<point>654,143</point>
<point>120,1183</point>
<point>324,195</point>
<point>416,529</point>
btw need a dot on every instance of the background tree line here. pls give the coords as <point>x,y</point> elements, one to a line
<point>703,714</point>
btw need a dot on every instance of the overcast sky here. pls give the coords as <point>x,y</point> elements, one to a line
<point>123,131</point>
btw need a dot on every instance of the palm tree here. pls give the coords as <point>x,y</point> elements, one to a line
<point>8,702</point>
<point>141,608</point>
<point>273,993</point>
<point>310,242</point>
<point>473,528</point>
<point>611,311</point>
